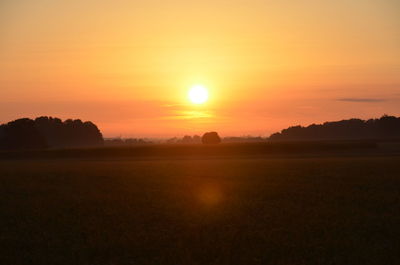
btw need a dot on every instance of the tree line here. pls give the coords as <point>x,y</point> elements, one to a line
<point>48,132</point>
<point>385,128</point>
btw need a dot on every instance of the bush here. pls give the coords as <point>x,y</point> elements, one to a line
<point>211,138</point>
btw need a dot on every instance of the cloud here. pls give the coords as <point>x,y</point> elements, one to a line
<point>188,115</point>
<point>362,100</point>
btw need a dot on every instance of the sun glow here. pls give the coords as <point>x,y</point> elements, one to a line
<point>198,94</point>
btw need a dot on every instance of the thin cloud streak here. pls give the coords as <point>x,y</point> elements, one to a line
<point>362,100</point>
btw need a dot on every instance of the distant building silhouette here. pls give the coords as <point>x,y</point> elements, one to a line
<point>387,127</point>
<point>48,132</point>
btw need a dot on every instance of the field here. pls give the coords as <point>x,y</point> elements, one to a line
<point>201,210</point>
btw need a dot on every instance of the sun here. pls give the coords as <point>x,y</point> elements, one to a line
<point>198,94</point>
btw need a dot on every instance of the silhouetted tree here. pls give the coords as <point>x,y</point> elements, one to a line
<point>48,132</point>
<point>172,140</point>
<point>196,139</point>
<point>211,138</point>
<point>21,134</point>
<point>127,142</point>
<point>387,127</point>
<point>243,139</point>
<point>187,139</point>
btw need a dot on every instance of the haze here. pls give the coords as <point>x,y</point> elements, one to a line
<point>128,65</point>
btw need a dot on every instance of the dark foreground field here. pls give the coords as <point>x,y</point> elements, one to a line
<point>201,211</point>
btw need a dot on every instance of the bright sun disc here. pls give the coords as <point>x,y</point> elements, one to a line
<point>198,94</point>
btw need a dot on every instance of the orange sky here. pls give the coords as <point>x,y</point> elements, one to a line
<point>127,65</point>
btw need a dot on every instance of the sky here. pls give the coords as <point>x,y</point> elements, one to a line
<point>127,65</point>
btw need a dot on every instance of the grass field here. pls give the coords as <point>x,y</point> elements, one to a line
<point>201,211</point>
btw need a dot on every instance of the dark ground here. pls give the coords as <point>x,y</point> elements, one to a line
<point>209,210</point>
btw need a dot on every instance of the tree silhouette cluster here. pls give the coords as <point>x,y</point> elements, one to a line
<point>45,132</point>
<point>387,127</point>
<point>187,139</point>
<point>211,138</point>
<point>125,142</point>
<point>243,139</point>
<point>196,139</point>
